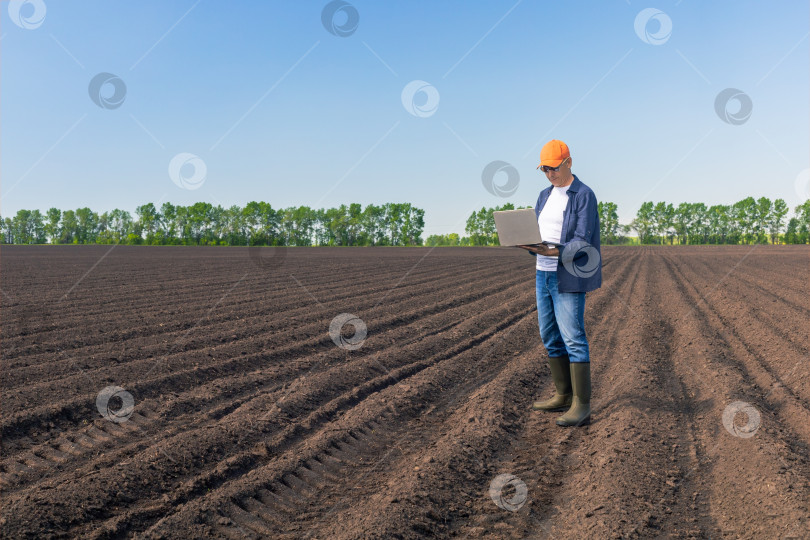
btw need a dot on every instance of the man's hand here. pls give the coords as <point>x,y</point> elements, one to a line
<point>542,249</point>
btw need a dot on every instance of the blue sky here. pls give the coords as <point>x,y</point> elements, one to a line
<point>279,109</point>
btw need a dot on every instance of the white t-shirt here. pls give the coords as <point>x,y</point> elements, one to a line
<point>550,222</point>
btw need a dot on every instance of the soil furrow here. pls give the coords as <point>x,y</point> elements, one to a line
<point>208,366</point>
<point>201,450</point>
<point>722,456</point>
<point>733,340</point>
<point>256,383</point>
<point>285,457</point>
<point>254,424</point>
<point>245,305</point>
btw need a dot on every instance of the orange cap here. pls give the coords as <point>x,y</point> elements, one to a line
<point>553,153</point>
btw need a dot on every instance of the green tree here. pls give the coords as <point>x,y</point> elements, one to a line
<point>167,223</point>
<point>354,225</point>
<point>803,219</point>
<point>233,228</point>
<point>717,218</point>
<point>27,227</point>
<point>372,221</point>
<point>451,239</point>
<point>644,223</point>
<point>199,217</point>
<point>120,226</point>
<point>69,228</point>
<point>474,227</point>
<point>86,226</point>
<point>682,222</point>
<point>762,216</point>
<point>252,224</point>
<point>5,231</point>
<point>487,226</point>
<point>608,222</point>
<point>663,215</point>
<point>182,225</point>
<point>52,231</point>
<point>335,223</point>
<point>271,224</point>
<point>392,223</point>
<point>792,232</point>
<point>413,223</point>
<point>701,229</point>
<point>148,220</point>
<point>481,226</point>
<point>745,218</point>
<point>305,225</point>
<point>777,218</point>
<point>217,224</point>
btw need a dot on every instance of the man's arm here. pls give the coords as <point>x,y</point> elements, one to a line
<point>542,249</point>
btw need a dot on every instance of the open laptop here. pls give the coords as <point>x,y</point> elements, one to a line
<point>518,228</point>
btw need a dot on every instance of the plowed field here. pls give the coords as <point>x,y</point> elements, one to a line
<point>245,419</point>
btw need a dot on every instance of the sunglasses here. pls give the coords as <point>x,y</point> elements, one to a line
<point>546,168</point>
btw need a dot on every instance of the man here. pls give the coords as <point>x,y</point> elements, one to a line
<point>567,215</point>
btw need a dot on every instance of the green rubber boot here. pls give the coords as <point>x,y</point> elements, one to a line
<point>561,375</point>
<point>580,412</point>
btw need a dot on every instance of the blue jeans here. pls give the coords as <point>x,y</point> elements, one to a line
<point>561,316</point>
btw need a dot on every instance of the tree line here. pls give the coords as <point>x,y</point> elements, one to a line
<point>392,224</point>
<point>747,221</point>
<point>255,224</point>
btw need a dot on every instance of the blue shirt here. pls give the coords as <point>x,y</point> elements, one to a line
<point>579,268</point>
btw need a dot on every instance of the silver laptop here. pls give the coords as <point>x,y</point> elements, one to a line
<point>518,228</point>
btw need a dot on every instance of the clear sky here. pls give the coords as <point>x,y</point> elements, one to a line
<point>275,107</point>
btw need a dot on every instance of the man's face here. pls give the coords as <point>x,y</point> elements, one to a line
<point>562,176</point>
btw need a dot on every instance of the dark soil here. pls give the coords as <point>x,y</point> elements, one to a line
<point>249,421</point>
